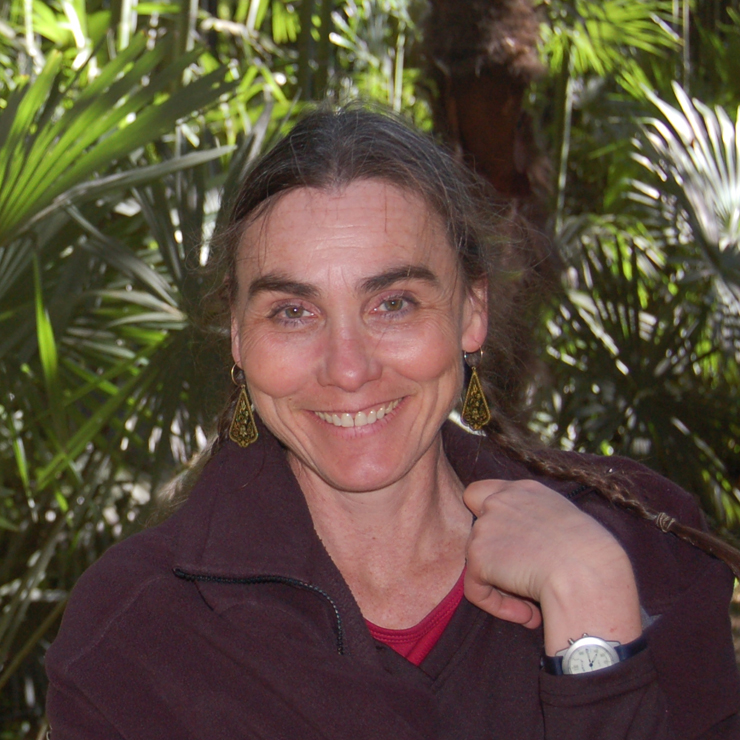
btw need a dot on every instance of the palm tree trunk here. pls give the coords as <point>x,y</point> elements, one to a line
<point>482,58</point>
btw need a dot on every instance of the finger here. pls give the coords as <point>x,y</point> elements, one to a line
<point>500,604</point>
<point>476,493</point>
<point>510,608</point>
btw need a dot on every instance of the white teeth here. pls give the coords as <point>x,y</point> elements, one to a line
<point>360,419</point>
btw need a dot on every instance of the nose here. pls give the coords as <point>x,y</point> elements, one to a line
<point>350,359</point>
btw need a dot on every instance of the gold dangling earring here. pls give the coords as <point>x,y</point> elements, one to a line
<point>475,411</point>
<point>243,428</point>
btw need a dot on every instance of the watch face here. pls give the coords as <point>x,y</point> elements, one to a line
<point>589,654</point>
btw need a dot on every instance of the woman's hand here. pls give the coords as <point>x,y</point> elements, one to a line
<point>530,546</point>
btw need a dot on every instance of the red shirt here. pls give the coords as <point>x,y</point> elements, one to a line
<point>415,643</point>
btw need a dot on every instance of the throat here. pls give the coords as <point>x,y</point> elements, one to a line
<point>414,606</point>
<point>401,549</point>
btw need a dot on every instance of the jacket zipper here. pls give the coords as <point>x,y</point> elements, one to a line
<point>272,579</point>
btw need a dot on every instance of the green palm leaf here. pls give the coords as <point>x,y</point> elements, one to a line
<point>49,143</point>
<point>693,155</point>
<point>597,37</point>
<point>633,371</point>
<point>696,152</point>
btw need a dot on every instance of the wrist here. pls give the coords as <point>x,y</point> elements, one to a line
<point>594,599</point>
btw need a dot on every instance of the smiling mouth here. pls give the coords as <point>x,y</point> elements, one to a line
<point>360,419</point>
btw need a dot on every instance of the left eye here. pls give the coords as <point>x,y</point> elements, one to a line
<point>290,314</point>
<point>393,305</point>
<point>294,312</point>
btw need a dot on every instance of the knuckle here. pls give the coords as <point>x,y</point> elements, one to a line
<point>475,556</point>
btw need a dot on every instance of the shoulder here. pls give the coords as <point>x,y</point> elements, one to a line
<point>665,566</point>
<point>650,488</point>
<point>110,590</point>
<point>477,457</point>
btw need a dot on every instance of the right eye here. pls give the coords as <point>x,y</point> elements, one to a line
<point>291,314</point>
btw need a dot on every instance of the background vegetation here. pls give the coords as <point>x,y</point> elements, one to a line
<point>125,125</point>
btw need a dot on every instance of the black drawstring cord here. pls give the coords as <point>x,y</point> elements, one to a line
<point>272,579</point>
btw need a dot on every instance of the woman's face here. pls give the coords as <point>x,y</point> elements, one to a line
<point>349,322</point>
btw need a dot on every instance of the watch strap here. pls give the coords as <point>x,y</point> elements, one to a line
<point>554,663</point>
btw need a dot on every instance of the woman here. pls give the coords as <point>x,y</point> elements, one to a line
<point>312,585</point>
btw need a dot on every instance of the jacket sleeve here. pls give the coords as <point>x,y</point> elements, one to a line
<point>685,686</point>
<point>621,703</point>
<point>73,717</point>
<point>92,668</point>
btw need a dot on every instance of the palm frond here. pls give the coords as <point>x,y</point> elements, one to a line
<point>635,368</point>
<point>692,153</point>
<point>597,37</point>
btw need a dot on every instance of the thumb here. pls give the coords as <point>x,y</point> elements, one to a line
<point>476,493</point>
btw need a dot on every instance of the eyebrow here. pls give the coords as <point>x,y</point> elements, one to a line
<point>277,283</point>
<point>397,274</point>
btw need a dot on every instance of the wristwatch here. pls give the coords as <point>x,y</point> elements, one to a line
<point>589,653</point>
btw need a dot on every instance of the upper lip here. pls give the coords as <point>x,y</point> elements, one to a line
<point>354,412</point>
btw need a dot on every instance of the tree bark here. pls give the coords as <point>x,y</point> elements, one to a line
<point>482,58</point>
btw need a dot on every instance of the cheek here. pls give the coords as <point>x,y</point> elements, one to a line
<point>273,366</point>
<point>428,353</point>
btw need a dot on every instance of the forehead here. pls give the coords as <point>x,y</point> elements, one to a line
<point>365,226</point>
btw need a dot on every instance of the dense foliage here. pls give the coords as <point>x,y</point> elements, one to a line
<point>124,126</point>
<point>645,341</point>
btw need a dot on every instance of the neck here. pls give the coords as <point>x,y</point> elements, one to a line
<point>402,548</point>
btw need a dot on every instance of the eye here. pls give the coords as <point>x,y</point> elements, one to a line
<point>393,305</point>
<point>294,312</point>
<point>290,313</point>
<point>396,306</point>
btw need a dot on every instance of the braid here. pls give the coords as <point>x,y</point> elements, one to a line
<point>613,487</point>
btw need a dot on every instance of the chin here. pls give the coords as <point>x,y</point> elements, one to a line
<point>362,479</point>
<point>372,458</point>
<point>358,477</point>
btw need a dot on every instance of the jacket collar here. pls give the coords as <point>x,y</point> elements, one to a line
<point>246,516</point>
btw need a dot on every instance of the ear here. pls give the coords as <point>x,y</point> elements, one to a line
<point>235,340</point>
<point>475,317</point>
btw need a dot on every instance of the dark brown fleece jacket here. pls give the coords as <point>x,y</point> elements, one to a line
<point>230,620</point>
